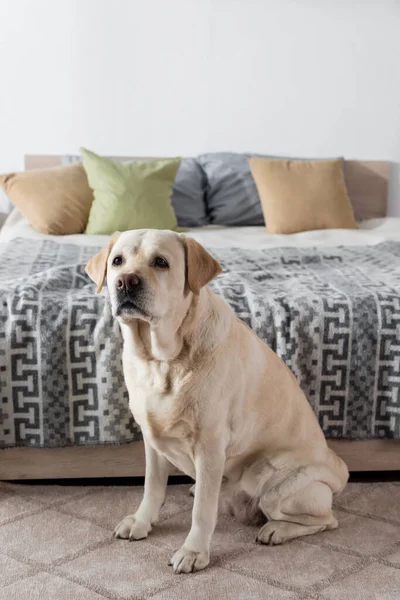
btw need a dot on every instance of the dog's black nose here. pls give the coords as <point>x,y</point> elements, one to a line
<point>127,283</point>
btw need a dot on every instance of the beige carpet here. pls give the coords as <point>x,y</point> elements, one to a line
<point>56,544</point>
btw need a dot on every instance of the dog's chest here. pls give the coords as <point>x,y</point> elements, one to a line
<point>158,403</point>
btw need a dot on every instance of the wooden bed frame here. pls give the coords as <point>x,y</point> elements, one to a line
<point>127,460</point>
<point>367,183</point>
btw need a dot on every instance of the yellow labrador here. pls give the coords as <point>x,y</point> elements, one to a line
<point>212,399</point>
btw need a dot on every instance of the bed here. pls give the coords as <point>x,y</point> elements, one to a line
<point>95,435</point>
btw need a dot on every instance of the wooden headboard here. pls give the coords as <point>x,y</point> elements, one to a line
<point>367,181</point>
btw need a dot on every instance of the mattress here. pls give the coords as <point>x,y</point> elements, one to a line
<point>370,232</point>
<point>328,302</point>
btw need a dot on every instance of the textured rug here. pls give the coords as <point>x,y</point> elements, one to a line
<point>56,544</point>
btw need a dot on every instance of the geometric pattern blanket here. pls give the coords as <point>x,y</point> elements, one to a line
<point>332,314</point>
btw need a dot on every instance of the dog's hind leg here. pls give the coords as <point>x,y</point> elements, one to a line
<point>278,532</point>
<point>298,505</point>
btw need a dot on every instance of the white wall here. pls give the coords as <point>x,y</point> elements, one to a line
<point>178,77</point>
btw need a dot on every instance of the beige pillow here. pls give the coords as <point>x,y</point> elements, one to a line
<point>299,195</point>
<point>55,201</point>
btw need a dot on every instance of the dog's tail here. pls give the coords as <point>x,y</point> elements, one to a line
<point>341,471</point>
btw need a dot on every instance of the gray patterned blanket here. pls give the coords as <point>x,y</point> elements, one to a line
<point>332,314</point>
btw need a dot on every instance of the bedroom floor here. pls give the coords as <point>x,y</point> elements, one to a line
<point>56,543</point>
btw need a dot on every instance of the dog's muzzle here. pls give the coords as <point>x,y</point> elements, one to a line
<point>129,291</point>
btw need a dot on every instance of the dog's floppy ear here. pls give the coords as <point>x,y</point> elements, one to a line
<point>201,267</point>
<point>97,265</point>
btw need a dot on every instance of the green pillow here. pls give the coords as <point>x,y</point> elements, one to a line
<point>131,195</point>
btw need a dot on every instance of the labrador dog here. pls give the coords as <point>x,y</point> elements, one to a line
<point>211,399</point>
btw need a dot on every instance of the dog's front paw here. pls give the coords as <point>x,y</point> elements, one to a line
<point>187,561</point>
<point>132,528</point>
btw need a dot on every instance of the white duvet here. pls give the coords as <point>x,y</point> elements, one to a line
<point>371,232</point>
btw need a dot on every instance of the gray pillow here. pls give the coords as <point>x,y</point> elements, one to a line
<point>188,193</point>
<point>6,205</point>
<point>231,194</point>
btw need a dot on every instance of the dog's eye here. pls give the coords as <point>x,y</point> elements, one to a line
<point>117,261</point>
<point>161,263</point>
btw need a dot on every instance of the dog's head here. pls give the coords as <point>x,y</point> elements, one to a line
<point>150,272</point>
